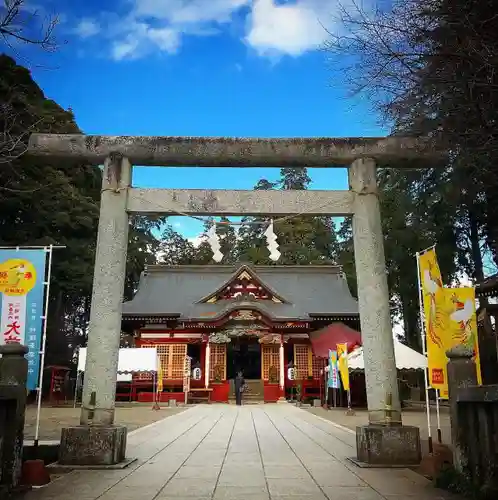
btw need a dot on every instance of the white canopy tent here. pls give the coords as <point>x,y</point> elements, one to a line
<point>406,358</point>
<point>130,361</point>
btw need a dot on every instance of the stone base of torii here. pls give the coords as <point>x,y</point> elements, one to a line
<point>97,441</point>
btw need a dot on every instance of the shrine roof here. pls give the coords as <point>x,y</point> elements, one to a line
<point>306,292</point>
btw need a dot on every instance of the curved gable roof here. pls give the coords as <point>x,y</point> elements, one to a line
<point>179,291</point>
<point>234,276</point>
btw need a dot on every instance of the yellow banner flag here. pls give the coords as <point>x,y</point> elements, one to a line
<point>342,357</point>
<point>433,306</point>
<point>159,376</point>
<point>450,320</point>
<point>462,322</point>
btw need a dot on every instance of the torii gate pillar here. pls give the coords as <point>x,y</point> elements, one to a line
<point>97,441</point>
<point>385,441</point>
<point>373,294</point>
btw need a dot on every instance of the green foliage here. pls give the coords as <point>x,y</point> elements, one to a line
<point>302,240</point>
<point>461,484</point>
<point>430,69</point>
<point>43,203</point>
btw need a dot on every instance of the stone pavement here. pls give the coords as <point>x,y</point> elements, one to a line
<point>241,453</point>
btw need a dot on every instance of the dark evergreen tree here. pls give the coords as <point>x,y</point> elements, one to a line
<point>43,203</point>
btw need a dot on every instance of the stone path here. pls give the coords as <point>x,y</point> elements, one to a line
<point>241,453</point>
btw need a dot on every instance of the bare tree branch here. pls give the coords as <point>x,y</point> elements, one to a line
<point>19,23</point>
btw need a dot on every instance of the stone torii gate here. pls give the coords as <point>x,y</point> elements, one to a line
<point>97,441</point>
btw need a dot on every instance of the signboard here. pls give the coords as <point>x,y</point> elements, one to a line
<point>187,368</point>
<point>22,276</point>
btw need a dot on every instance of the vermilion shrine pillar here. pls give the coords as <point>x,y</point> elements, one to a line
<point>207,366</point>
<point>281,355</point>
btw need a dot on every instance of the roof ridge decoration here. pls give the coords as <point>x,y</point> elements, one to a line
<point>243,272</point>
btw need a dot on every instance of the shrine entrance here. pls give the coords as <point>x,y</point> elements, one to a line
<point>119,199</point>
<point>244,354</point>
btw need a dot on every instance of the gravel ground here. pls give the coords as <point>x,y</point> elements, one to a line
<point>52,419</point>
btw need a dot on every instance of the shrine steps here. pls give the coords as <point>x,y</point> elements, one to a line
<point>254,393</point>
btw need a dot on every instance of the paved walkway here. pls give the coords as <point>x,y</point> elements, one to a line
<point>241,453</point>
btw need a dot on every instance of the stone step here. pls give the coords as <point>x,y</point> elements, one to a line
<point>248,397</point>
<point>246,402</point>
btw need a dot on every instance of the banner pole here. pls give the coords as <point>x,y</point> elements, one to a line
<point>324,382</point>
<point>424,351</point>
<point>426,250</point>
<point>76,387</point>
<point>438,417</point>
<point>155,382</point>
<point>43,346</point>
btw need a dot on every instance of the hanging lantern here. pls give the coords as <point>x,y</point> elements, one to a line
<point>291,371</point>
<point>272,244</point>
<point>214,242</point>
<point>197,372</point>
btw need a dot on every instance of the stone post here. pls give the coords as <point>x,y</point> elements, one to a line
<point>384,441</point>
<point>373,295</point>
<point>461,373</point>
<point>105,446</point>
<point>13,379</point>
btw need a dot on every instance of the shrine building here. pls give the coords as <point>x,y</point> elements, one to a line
<point>257,319</point>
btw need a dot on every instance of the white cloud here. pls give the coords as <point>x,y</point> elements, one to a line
<point>290,28</point>
<point>125,49</point>
<point>87,28</point>
<point>166,39</point>
<point>196,240</point>
<point>272,27</point>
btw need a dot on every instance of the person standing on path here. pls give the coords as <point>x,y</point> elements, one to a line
<point>239,387</point>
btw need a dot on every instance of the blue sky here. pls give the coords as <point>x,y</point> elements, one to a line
<point>202,67</point>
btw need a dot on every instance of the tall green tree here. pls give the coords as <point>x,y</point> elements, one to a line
<point>252,243</point>
<point>302,239</point>
<point>429,68</point>
<point>174,249</point>
<point>43,203</point>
